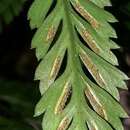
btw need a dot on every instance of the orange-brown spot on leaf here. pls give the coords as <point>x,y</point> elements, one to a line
<point>86,15</point>
<point>92,126</point>
<point>94,102</point>
<point>90,41</point>
<point>56,67</point>
<point>64,124</point>
<point>92,68</point>
<point>63,98</point>
<point>51,34</point>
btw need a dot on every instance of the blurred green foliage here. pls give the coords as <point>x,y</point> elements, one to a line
<point>8,10</point>
<point>17,101</point>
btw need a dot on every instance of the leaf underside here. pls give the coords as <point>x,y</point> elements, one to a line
<point>8,10</point>
<point>75,35</point>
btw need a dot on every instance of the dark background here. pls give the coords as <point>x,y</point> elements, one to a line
<point>19,93</point>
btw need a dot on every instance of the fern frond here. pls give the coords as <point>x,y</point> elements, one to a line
<point>9,9</point>
<point>79,29</point>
